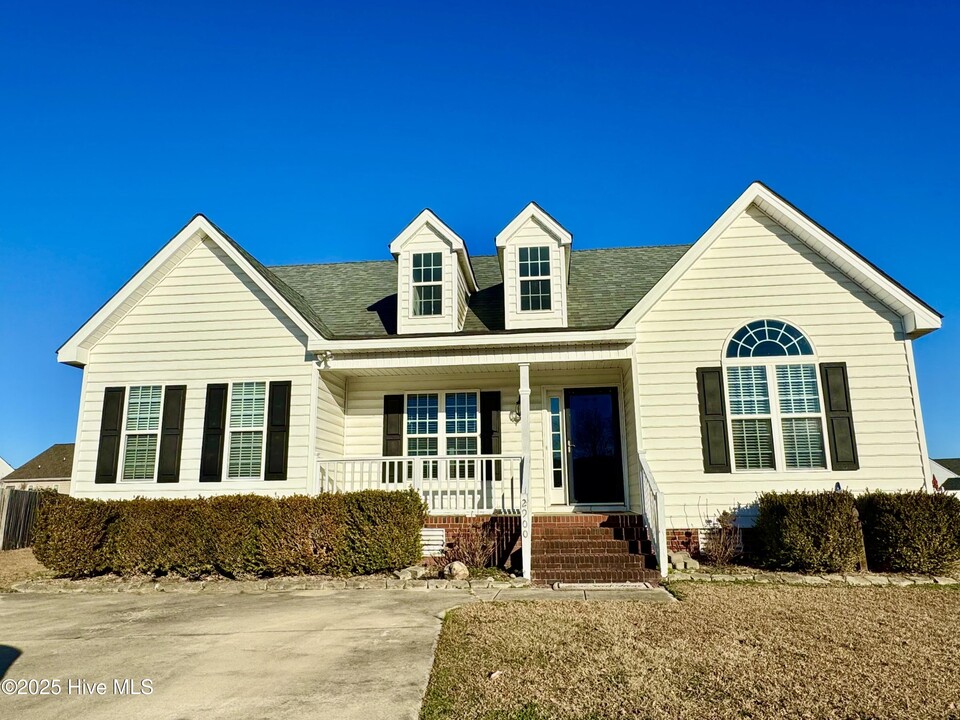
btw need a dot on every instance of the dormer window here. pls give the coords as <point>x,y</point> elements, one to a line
<point>427,284</point>
<point>534,278</point>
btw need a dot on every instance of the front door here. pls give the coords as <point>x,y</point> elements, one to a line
<point>594,457</point>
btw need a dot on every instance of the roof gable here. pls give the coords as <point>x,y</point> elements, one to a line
<point>542,218</point>
<point>439,228</point>
<point>75,350</point>
<point>918,317</point>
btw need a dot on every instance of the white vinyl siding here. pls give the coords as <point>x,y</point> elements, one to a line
<point>756,269</point>
<point>204,322</point>
<point>441,292</point>
<point>141,432</point>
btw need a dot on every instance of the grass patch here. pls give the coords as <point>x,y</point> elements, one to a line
<point>19,565</point>
<point>740,651</point>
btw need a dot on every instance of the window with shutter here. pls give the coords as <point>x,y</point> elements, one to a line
<point>141,432</point>
<point>775,404</point>
<point>245,424</point>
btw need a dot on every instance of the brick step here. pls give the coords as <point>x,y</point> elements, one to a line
<point>618,532</point>
<point>595,525</point>
<point>596,576</point>
<point>588,519</point>
<point>591,561</point>
<point>609,547</point>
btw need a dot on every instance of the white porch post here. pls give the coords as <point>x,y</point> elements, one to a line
<point>526,519</point>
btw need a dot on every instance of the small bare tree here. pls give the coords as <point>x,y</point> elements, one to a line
<point>724,540</point>
<point>474,546</point>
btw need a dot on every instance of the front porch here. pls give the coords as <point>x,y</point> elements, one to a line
<point>531,440</point>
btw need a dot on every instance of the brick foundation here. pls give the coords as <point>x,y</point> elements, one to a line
<point>505,527</point>
<point>684,539</point>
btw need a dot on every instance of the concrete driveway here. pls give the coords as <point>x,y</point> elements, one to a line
<point>324,654</point>
<point>341,655</point>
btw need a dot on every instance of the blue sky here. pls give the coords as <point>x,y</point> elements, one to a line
<point>315,132</point>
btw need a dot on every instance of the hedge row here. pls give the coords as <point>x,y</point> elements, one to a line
<point>231,535</point>
<point>913,532</point>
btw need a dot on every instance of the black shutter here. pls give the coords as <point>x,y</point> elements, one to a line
<point>392,425</point>
<point>214,430</point>
<point>392,436</point>
<point>278,430</point>
<point>171,433</point>
<point>490,423</point>
<point>490,432</point>
<point>836,396</point>
<point>713,420</point>
<point>111,427</point>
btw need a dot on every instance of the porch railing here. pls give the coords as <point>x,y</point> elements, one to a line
<point>449,484</point>
<point>654,513</point>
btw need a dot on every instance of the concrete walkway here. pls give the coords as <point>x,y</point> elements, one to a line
<point>312,653</point>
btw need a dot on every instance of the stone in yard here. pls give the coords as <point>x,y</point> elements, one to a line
<point>414,572</point>
<point>944,581</point>
<point>793,578</point>
<point>458,584</point>
<point>679,576</point>
<point>519,582</point>
<point>722,578</point>
<point>858,580</point>
<point>438,584</point>
<point>815,580</point>
<point>500,585</point>
<point>921,579</point>
<point>878,579</point>
<point>834,577</point>
<point>456,571</point>
<point>900,581</point>
<point>415,585</point>
<point>394,584</point>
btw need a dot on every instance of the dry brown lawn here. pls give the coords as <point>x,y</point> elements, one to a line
<point>17,565</point>
<point>724,651</point>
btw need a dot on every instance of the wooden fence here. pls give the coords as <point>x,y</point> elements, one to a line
<point>18,508</point>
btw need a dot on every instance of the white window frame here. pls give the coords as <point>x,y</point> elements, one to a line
<point>549,278</point>
<point>230,431</point>
<point>128,433</point>
<point>442,433</point>
<point>438,283</point>
<point>775,416</point>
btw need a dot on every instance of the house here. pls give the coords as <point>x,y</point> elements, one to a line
<point>5,468</point>
<point>608,403</point>
<point>946,471</point>
<point>50,469</point>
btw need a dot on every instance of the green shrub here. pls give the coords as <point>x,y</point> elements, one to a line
<point>303,535</point>
<point>159,537</point>
<point>915,532</point>
<point>233,535</point>
<point>808,532</point>
<point>71,536</point>
<point>382,531</point>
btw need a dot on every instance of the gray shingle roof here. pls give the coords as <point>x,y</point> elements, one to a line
<point>359,299</point>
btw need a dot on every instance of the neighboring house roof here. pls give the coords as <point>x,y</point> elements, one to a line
<point>54,463</point>
<point>951,464</point>
<point>5,468</point>
<point>359,300</point>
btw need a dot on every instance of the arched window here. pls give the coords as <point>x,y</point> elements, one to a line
<point>768,338</point>
<point>773,397</point>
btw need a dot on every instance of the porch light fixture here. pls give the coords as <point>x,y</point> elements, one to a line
<point>515,413</point>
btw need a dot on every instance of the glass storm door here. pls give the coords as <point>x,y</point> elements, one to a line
<point>594,459</point>
<point>556,437</point>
